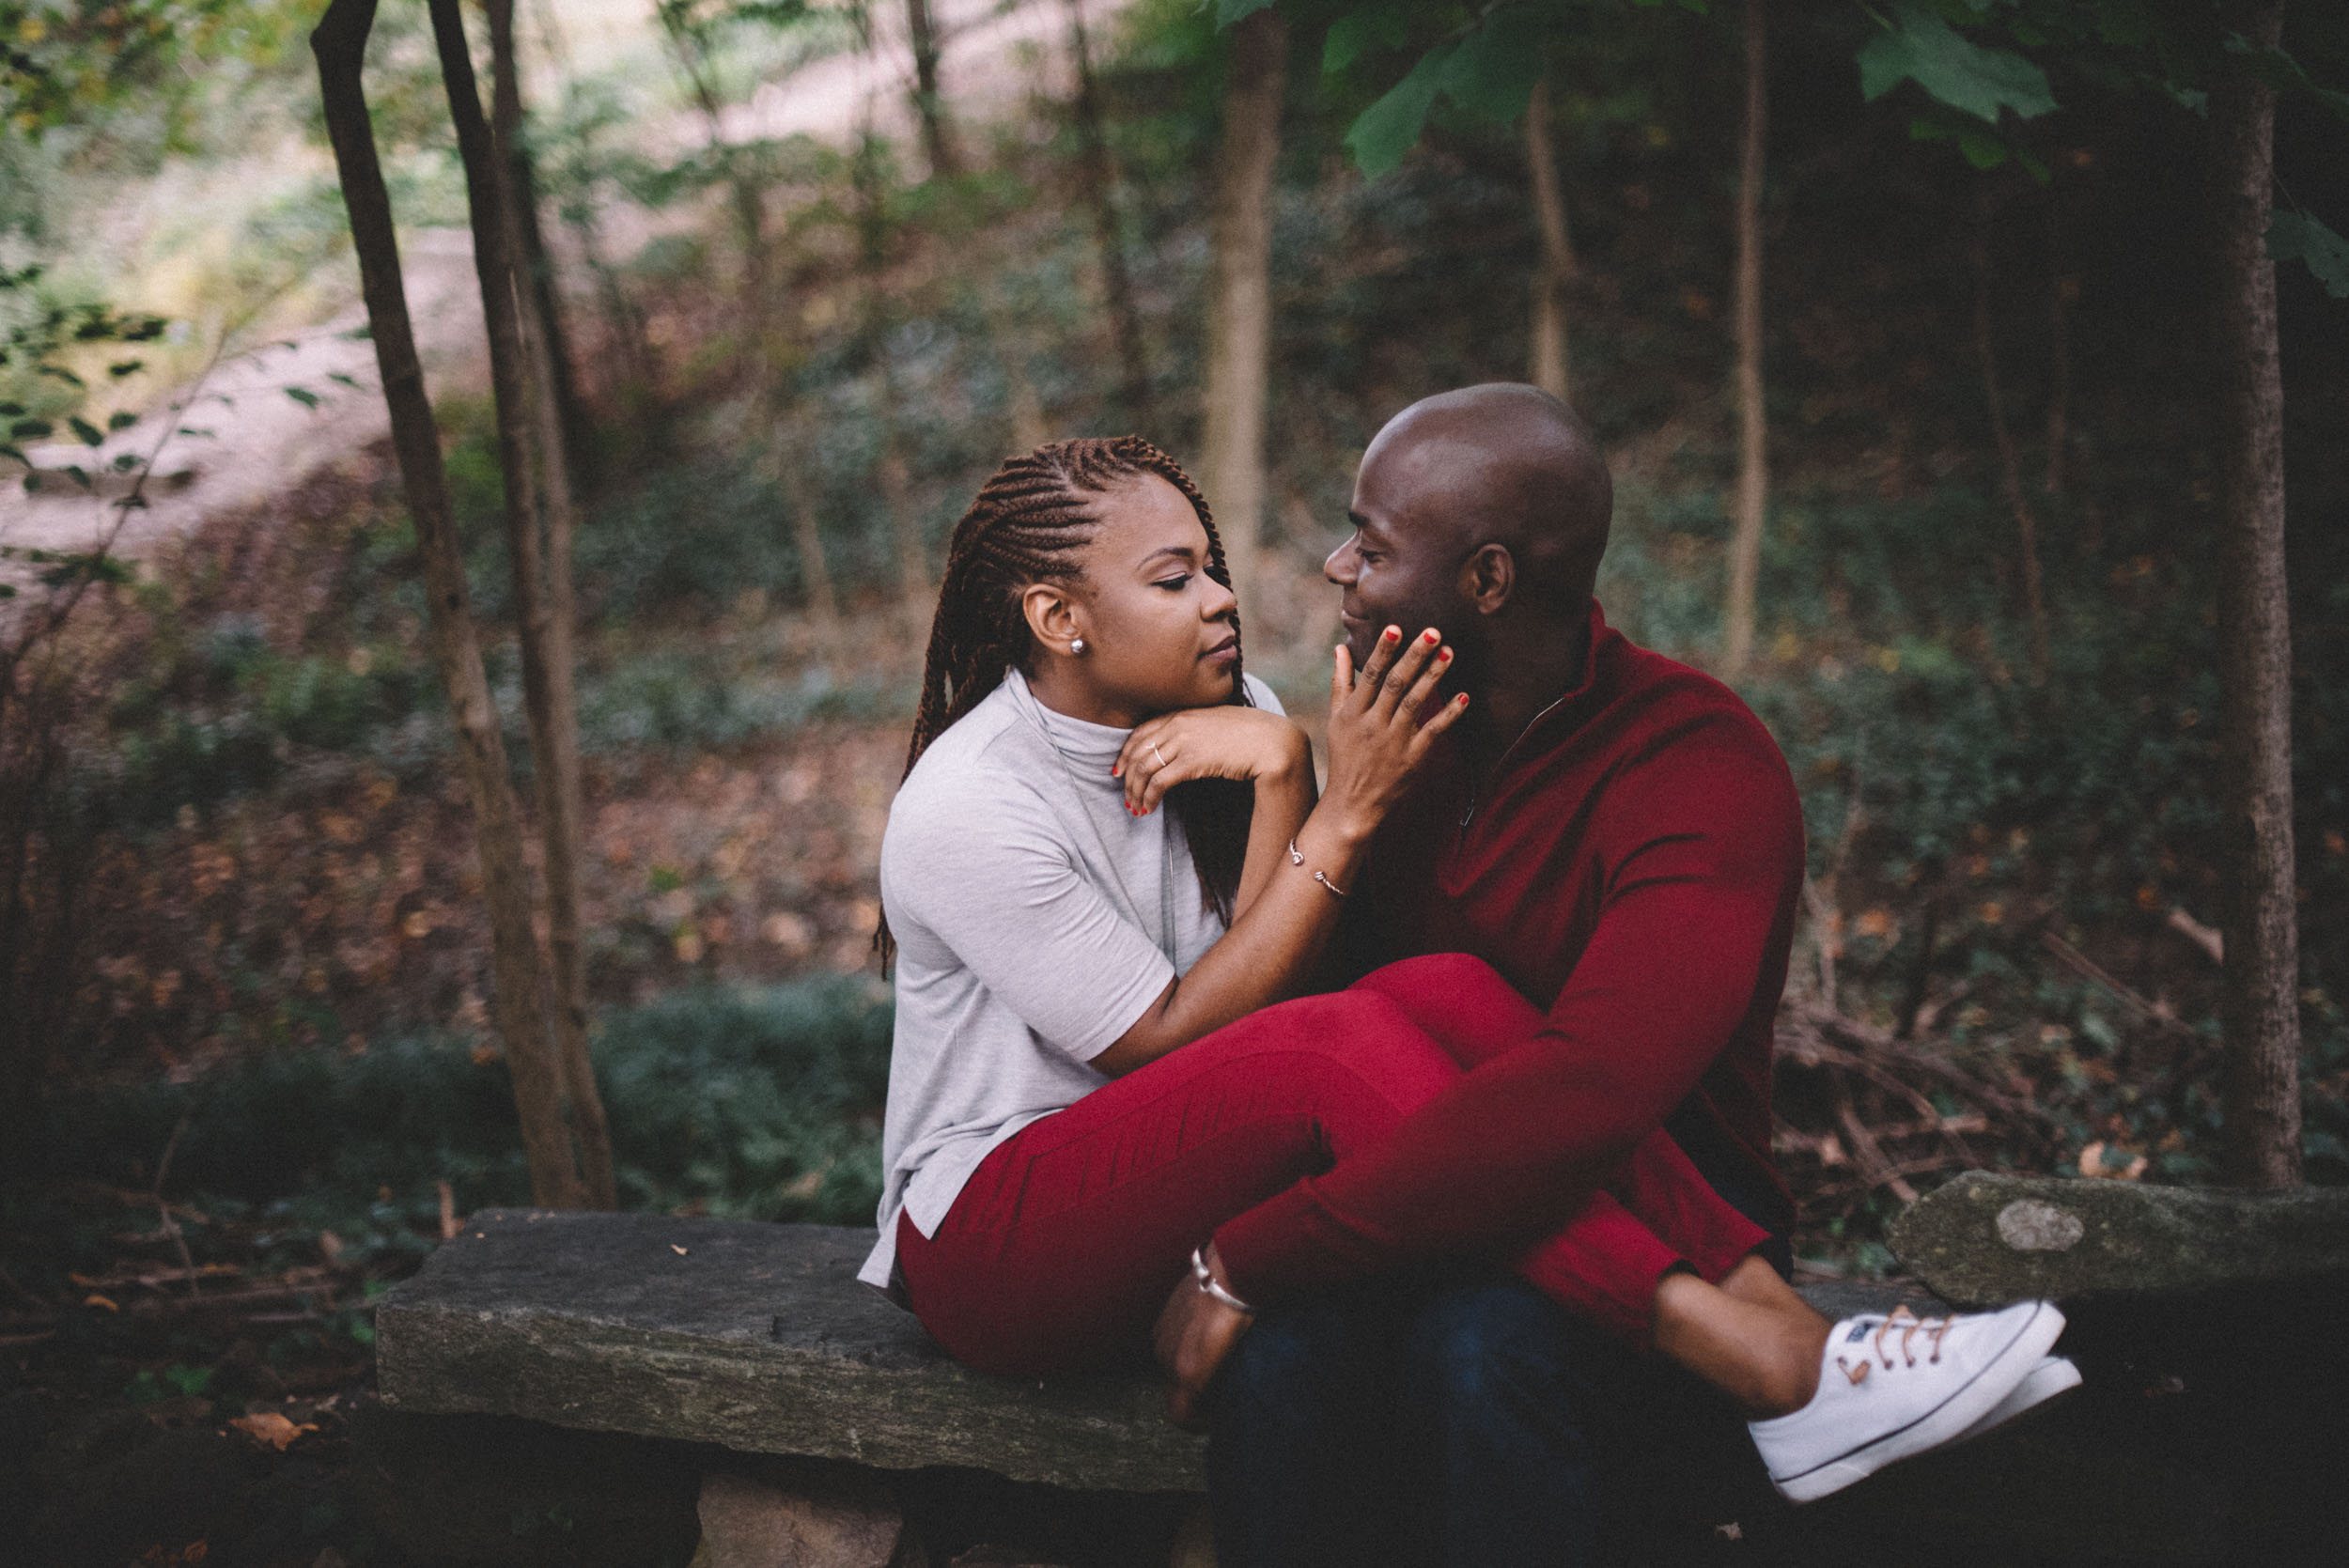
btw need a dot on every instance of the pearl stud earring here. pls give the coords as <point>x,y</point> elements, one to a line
<point>1077,646</point>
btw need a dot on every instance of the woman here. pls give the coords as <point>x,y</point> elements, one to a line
<point>1107,863</point>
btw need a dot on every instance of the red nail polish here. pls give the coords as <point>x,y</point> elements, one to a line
<point>1462,699</point>
<point>1428,636</point>
<point>1393,634</point>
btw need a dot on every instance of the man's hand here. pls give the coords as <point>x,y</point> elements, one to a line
<point>1195,1333</point>
<point>1223,742</point>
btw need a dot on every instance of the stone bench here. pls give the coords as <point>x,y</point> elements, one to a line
<point>721,1340</point>
<point>755,1337</point>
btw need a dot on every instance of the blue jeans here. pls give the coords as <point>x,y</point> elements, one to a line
<point>1469,1424</point>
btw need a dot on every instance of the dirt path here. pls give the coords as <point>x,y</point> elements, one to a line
<point>264,441</point>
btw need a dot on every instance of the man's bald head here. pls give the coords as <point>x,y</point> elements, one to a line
<point>1501,463</point>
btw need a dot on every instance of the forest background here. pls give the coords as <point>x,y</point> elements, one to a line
<point>810,270</point>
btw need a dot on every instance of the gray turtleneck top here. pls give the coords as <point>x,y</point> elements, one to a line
<point>1035,922</point>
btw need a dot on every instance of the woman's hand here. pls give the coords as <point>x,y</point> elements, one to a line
<point>1223,742</point>
<point>1378,735</point>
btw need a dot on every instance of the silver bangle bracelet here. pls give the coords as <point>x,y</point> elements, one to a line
<point>1206,1276</point>
<point>1297,857</point>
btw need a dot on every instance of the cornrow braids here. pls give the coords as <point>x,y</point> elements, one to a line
<point>1029,524</point>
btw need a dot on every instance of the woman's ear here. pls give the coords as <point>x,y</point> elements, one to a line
<point>1052,617</point>
<point>1488,578</point>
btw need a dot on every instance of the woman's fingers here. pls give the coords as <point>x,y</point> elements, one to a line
<point>1422,691</point>
<point>1442,720</point>
<point>1341,675</point>
<point>1382,656</point>
<point>1146,760</point>
<point>1406,672</point>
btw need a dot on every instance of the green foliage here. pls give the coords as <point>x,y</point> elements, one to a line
<point>2298,236</point>
<point>763,1104</point>
<point>1918,45</point>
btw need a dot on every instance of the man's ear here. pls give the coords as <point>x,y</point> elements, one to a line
<point>1052,616</point>
<point>1488,578</point>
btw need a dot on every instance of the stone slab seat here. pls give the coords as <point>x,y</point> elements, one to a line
<point>688,1333</point>
<point>757,1338</point>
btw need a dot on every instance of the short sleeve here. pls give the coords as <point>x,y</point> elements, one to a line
<point>1009,904</point>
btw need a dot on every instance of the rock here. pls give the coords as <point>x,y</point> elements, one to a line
<point>1984,1239</point>
<point>748,1524</point>
<point>756,1337</point>
<point>486,1490</point>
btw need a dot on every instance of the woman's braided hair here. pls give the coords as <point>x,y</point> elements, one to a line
<point>1028,526</point>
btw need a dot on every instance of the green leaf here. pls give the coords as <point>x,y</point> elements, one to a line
<point>303,395</point>
<point>1953,69</point>
<point>121,419</point>
<point>10,411</point>
<point>31,429</point>
<point>341,380</point>
<point>91,435</point>
<point>6,592</point>
<point>8,451</point>
<point>80,477</point>
<point>1390,127</point>
<point>126,367</point>
<point>68,377</point>
<point>1386,26</point>
<point>1982,151</point>
<point>2297,237</point>
<point>1492,73</point>
<point>1229,11</point>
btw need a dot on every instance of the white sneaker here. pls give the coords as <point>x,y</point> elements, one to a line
<point>2049,1376</point>
<point>1897,1386</point>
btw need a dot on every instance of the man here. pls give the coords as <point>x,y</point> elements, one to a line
<point>1619,837</point>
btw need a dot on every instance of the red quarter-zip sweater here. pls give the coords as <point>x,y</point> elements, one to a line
<point>1632,866</point>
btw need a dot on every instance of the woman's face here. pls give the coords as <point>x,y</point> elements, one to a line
<point>1159,633</point>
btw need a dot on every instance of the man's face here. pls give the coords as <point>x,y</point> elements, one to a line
<point>1401,566</point>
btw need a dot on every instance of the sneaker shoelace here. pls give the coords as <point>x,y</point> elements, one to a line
<point>1910,1325</point>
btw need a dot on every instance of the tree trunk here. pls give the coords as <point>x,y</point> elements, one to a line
<point>531,260</point>
<point>1097,184</point>
<point>890,473</point>
<point>937,136</point>
<point>2064,289</point>
<point>552,699</point>
<point>340,44</point>
<point>1753,474</point>
<point>2003,434</point>
<point>823,600</point>
<point>1555,273</point>
<point>1239,306</point>
<point>2259,1007</point>
<point>748,202</point>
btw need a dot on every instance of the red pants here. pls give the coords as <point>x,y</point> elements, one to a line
<point>1067,1238</point>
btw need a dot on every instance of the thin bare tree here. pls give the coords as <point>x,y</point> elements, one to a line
<point>938,132</point>
<point>1239,303</point>
<point>1753,472</point>
<point>522,996</point>
<point>549,630</point>
<point>1096,181</point>
<point>2002,436</point>
<point>2259,1002</point>
<point>1554,274</point>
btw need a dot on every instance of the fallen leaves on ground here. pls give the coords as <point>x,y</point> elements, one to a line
<point>268,1426</point>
